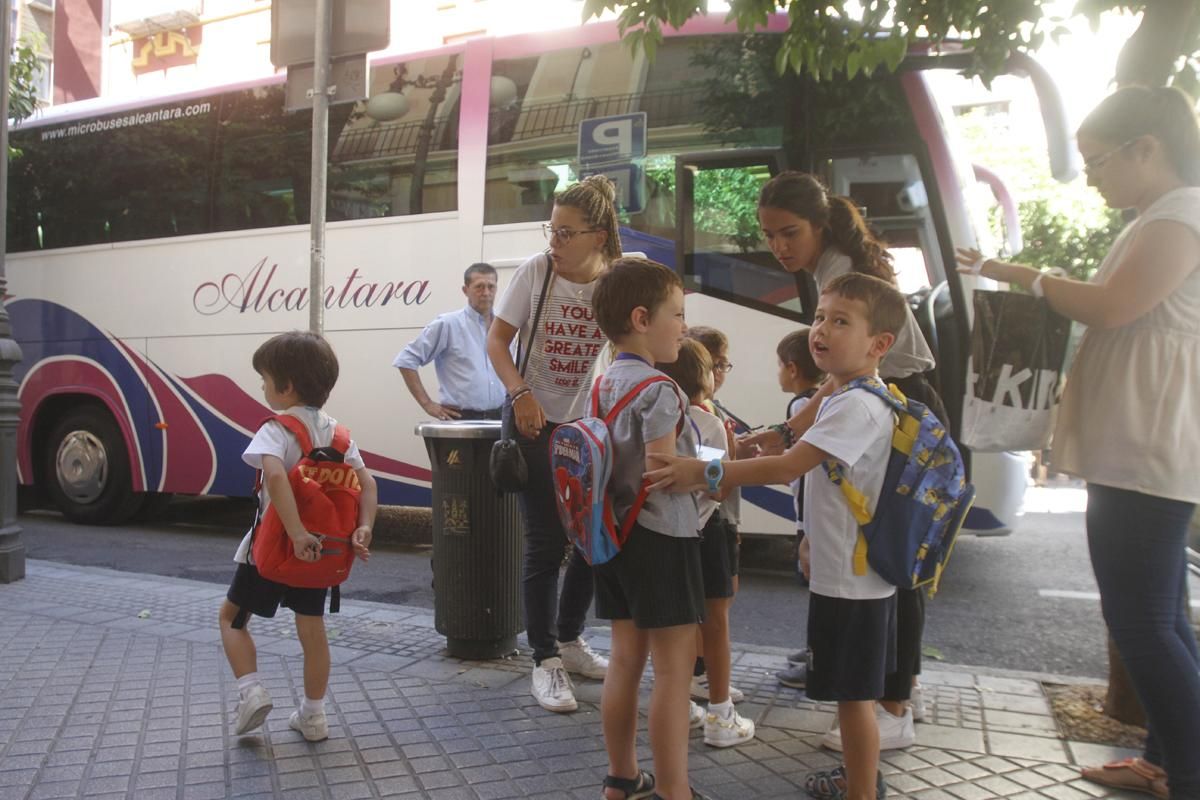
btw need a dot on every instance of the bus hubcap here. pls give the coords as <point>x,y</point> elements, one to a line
<point>82,466</point>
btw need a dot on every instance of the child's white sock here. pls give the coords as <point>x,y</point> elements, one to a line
<point>247,682</point>
<point>721,710</point>
<point>309,707</point>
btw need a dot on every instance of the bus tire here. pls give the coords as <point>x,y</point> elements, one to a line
<point>87,472</point>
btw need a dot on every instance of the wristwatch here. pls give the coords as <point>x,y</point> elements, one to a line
<point>713,472</point>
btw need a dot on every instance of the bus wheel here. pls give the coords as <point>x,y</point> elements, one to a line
<point>87,469</point>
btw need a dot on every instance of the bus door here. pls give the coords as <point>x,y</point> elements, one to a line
<point>891,193</point>
<point>719,249</point>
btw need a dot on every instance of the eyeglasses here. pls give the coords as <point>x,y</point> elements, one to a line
<point>722,367</point>
<point>564,235</point>
<point>1096,162</point>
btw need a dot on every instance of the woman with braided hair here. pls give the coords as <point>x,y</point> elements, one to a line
<point>554,385</point>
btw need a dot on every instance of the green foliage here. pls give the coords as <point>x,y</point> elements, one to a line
<point>23,73</point>
<point>824,37</point>
<point>726,202</point>
<point>22,78</point>
<point>1062,225</point>
<point>1054,238</point>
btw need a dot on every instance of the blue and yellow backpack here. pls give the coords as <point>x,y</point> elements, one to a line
<point>922,503</point>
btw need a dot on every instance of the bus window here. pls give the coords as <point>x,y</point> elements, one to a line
<point>264,166</point>
<point>699,93</point>
<point>397,153</point>
<point>139,174</point>
<point>720,246</point>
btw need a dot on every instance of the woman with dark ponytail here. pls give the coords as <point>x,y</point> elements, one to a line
<point>1127,423</point>
<point>809,229</point>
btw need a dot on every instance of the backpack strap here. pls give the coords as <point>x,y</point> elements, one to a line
<point>855,499</point>
<point>629,396</point>
<point>297,429</point>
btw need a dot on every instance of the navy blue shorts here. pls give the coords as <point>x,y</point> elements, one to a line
<point>853,645</point>
<point>655,580</point>
<point>718,557</point>
<point>255,594</point>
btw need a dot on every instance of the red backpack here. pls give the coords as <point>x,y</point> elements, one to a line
<point>327,492</point>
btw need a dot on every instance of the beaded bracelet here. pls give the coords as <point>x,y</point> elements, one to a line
<point>785,431</point>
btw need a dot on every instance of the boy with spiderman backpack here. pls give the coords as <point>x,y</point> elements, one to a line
<point>304,538</point>
<point>652,589</point>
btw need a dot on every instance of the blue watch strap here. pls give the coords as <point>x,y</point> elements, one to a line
<point>713,473</point>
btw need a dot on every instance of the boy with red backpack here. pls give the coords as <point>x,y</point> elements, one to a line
<point>298,371</point>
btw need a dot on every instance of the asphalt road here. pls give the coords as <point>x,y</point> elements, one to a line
<point>1025,601</point>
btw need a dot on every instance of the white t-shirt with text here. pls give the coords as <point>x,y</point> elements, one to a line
<point>568,340</point>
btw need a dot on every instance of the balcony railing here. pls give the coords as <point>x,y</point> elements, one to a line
<point>528,121</point>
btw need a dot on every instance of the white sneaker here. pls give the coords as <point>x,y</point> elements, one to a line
<point>700,690</point>
<point>314,727</point>
<point>581,659</point>
<point>727,731</point>
<point>252,709</point>
<point>695,715</point>
<point>895,733</point>
<point>916,702</point>
<point>552,686</point>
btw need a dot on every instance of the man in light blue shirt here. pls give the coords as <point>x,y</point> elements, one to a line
<point>456,343</point>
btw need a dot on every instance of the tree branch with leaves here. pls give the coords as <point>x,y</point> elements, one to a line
<point>824,37</point>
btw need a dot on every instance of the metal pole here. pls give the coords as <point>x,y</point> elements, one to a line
<point>12,552</point>
<point>320,157</point>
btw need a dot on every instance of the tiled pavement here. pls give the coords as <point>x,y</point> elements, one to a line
<point>113,685</point>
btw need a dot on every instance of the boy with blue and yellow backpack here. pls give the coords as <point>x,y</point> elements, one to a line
<point>859,439</point>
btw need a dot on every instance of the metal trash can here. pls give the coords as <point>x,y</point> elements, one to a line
<point>477,543</point>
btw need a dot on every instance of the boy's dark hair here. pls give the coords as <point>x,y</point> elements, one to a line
<point>690,369</point>
<point>303,359</point>
<point>480,268</point>
<point>793,349</point>
<point>887,310</point>
<point>713,340</point>
<point>627,284</point>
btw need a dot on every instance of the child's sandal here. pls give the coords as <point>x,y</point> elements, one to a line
<point>695,796</point>
<point>637,788</point>
<point>832,785</point>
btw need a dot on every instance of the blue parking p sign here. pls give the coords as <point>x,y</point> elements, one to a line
<point>611,140</point>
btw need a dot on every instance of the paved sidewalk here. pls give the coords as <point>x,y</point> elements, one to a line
<point>113,685</point>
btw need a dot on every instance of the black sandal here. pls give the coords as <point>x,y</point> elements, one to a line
<point>695,796</point>
<point>637,788</point>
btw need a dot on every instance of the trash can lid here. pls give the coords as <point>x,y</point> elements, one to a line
<point>460,429</point>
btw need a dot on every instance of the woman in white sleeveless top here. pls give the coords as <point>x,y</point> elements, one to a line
<point>1129,422</point>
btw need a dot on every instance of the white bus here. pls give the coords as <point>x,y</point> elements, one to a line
<point>154,245</point>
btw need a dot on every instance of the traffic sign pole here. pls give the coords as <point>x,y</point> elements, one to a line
<point>320,158</point>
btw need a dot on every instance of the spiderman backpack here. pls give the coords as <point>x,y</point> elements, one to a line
<point>581,466</point>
